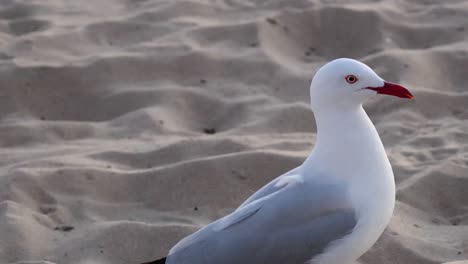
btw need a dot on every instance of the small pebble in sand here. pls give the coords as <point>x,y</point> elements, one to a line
<point>209,131</point>
<point>272,21</point>
<point>64,228</point>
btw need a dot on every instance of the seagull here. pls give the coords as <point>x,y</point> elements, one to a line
<point>329,210</point>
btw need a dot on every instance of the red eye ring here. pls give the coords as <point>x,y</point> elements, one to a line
<point>351,79</point>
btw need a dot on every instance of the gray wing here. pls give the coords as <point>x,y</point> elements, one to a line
<point>291,225</point>
<point>269,188</point>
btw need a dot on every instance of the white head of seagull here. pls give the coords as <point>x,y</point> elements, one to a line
<point>346,83</point>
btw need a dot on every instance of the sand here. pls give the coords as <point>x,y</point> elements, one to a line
<point>126,125</point>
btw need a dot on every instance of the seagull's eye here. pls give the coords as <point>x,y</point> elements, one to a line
<point>351,79</point>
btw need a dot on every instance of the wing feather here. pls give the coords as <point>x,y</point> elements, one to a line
<point>290,221</point>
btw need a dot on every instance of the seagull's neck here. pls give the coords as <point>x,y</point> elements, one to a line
<point>348,145</point>
<point>349,151</point>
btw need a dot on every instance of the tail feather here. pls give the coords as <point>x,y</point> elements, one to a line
<point>159,261</point>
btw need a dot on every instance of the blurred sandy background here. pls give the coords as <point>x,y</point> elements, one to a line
<point>128,124</point>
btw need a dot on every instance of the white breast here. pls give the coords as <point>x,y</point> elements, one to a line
<point>374,208</point>
<point>350,152</point>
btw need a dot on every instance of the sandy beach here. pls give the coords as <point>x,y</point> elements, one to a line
<point>126,125</point>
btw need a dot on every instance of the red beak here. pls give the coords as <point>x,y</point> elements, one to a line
<point>392,89</point>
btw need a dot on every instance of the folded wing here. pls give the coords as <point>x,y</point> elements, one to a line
<point>291,224</point>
